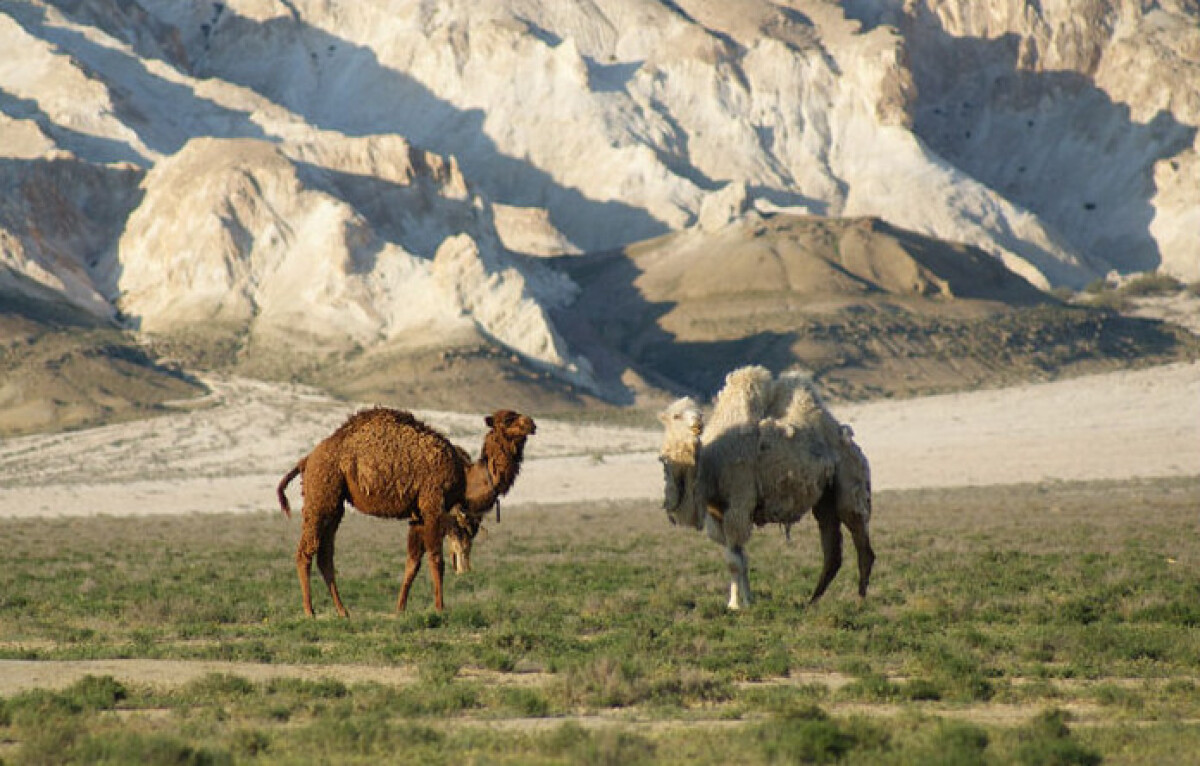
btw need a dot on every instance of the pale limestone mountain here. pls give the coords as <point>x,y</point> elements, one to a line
<point>621,118</point>
<point>339,175</point>
<point>1083,112</point>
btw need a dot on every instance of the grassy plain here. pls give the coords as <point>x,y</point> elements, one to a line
<point>1044,624</point>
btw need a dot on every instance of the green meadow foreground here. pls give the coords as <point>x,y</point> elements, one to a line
<point>1055,623</point>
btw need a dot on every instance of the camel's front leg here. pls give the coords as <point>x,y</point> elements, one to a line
<point>730,526</point>
<point>739,577</point>
<point>416,549</point>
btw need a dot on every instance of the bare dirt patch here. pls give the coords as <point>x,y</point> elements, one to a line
<point>18,676</point>
<point>21,675</point>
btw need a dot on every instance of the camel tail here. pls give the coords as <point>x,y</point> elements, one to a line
<point>284,505</point>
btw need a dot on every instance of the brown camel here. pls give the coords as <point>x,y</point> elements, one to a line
<point>387,463</point>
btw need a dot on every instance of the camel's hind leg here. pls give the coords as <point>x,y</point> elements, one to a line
<point>831,542</point>
<point>324,498</point>
<point>310,541</point>
<point>304,558</point>
<point>325,558</point>
<point>416,549</point>
<point>317,540</point>
<point>862,546</point>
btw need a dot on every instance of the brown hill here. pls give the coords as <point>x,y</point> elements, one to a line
<point>785,255</point>
<point>873,309</point>
<point>60,369</point>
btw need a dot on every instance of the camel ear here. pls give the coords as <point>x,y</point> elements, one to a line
<point>490,423</point>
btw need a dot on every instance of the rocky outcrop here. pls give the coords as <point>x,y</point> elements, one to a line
<point>346,243</point>
<point>1085,113</point>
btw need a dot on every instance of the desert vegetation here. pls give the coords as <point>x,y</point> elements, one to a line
<point>1123,294</point>
<point>1051,623</point>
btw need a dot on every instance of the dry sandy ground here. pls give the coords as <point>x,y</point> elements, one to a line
<point>228,453</point>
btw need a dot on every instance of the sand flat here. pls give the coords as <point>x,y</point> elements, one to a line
<point>229,456</point>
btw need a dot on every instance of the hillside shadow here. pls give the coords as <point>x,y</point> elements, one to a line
<point>395,210</point>
<point>207,118</point>
<point>32,301</point>
<point>63,208</point>
<point>87,147</point>
<point>982,110</point>
<point>400,104</point>
<point>620,329</point>
<point>699,368</point>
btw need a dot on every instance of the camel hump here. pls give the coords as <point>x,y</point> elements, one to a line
<point>794,398</point>
<point>743,399</point>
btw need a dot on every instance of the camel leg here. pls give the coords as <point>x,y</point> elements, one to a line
<point>303,571</point>
<point>739,577</point>
<point>305,550</point>
<point>831,543</point>
<point>416,549</point>
<point>325,559</point>
<point>437,565</point>
<point>862,547</point>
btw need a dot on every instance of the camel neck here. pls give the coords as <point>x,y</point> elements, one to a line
<point>503,461</point>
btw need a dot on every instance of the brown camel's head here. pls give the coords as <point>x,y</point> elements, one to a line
<point>512,426</point>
